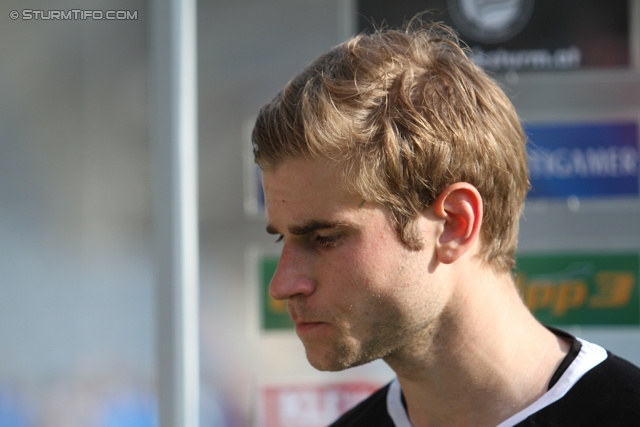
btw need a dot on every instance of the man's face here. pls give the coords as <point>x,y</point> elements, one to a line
<point>354,291</point>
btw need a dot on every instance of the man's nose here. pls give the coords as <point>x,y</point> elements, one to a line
<point>292,276</point>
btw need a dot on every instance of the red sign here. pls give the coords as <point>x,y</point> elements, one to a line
<point>309,405</point>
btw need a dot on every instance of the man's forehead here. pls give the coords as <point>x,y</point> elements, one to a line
<point>302,180</point>
<point>305,194</point>
<point>298,165</point>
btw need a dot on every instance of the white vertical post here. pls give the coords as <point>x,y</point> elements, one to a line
<point>174,147</point>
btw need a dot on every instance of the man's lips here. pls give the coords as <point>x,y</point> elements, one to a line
<point>304,327</point>
<point>305,321</point>
<point>302,316</point>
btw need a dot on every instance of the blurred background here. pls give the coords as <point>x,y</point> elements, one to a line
<point>77,296</point>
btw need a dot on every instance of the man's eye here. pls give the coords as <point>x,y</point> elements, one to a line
<point>280,238</point>
<point>329,241</point>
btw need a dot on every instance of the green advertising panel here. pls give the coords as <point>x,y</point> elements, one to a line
<point>559,289</point>
<point>581,289</point>
<point>274,315</point>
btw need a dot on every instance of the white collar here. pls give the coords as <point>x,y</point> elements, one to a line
<point>589,357</point>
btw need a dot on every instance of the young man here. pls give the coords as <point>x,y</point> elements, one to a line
<point>394,173</point>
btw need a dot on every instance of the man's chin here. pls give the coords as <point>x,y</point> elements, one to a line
<point>333,363</point>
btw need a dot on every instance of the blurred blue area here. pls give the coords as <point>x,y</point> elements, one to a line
<point>13,412</point>
<point>130,410</point>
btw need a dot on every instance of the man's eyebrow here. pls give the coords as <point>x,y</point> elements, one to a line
<point>307,227</point>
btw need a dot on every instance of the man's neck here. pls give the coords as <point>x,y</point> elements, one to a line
<point>485,360</point>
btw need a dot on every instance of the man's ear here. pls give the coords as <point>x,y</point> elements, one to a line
<point>460,206</point>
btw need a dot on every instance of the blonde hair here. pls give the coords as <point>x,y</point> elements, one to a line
<point>406,113</point>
